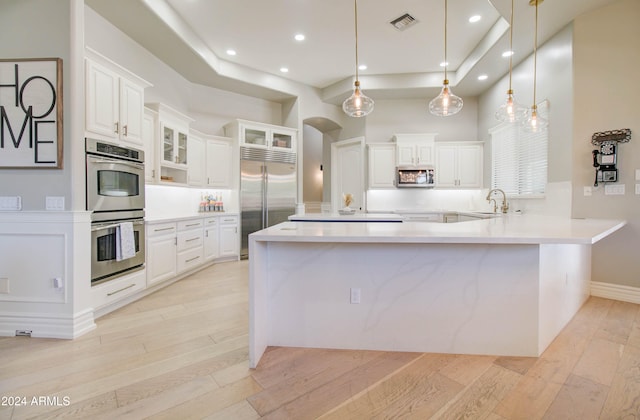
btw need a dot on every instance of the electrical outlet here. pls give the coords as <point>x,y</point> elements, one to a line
<point>54,203</point>
<point>57,283</point>
<point>637,188</point>
<point>587,191</point>
<point>11,203</point>
<point>614,189</point>
<point>4,285</point>
<point>637,174</point>
<point>355,295</point>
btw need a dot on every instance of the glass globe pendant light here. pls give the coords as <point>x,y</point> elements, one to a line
<point>511,111</point>
<point>535,123</point>
<point>446,103</point>
<point>358,104</point>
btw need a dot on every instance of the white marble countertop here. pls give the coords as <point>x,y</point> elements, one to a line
<point>336,217</point>
<point>177,218</point>
<point>508,229</point>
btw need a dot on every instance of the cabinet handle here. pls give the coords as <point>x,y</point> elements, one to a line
<point>125,130</point>
<point>192,259</point>
<point>192,224</point>
<point>228,220</point>
<point>121,290</point>
<point>206,233</point>
<point>153,173</point>
<point>116,127</point>
<point>192,239</point>
<point>163,229</point>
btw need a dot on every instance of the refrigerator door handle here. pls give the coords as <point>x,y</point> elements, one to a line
<point>265,185</point>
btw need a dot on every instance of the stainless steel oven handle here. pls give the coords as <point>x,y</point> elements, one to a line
<point>106,160</point>
<point>112,225</point>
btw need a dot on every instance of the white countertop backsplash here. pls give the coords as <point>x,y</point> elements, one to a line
<point>167,201</point>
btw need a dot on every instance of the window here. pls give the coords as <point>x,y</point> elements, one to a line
<point>519,159</point>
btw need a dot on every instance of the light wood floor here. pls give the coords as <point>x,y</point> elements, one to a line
<point>182,353</point>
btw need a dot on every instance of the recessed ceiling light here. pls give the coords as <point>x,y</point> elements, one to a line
<point>299,37</point>
<point>444,63</point>
<point>483,77</point>
<point>284,70</point>
<point>507,53</point>
<point>362,67</point>
<point>231,52</point>
<point>475,18</point>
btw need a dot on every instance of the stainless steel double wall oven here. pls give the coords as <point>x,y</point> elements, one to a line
<point>115,195</point>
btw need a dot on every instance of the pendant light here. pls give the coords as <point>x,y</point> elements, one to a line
<point>358,104</point>
<point>535,123</point>
<point>446,103</point>
<point>511,111</point>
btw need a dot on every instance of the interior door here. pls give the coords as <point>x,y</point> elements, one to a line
<point>280,192</point>
<point>347,173</point>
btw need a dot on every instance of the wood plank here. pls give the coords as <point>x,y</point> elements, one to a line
<point>465,368</point>
<point>623,400</point>
<point>579,399</point>
<point>599,361</point>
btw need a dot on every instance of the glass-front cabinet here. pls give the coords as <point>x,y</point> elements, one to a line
<point>259,135</point>
<point>173,142</point>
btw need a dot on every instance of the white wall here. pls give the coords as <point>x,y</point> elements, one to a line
<point>607,92</point>
<point>312,158</point>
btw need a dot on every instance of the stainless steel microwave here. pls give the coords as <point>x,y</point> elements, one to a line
<point>415,177</point>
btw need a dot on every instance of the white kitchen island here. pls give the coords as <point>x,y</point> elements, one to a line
<point>500,286</point>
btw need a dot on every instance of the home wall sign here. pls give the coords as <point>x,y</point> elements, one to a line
<point>31,113</point>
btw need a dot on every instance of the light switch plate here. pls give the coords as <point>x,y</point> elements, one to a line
<point>614,189</point>
<point>4,285</point>
<point>54,203</point>
<point>10,203</point>
<point>637,174</point>
<point>637,188</point>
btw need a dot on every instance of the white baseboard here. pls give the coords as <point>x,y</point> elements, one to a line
<point>615,292</point>
<point>47,325</point>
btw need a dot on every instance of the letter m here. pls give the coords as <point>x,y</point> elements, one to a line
<point>4,119</point>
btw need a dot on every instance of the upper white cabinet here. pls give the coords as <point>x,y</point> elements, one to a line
<point>382,165</point>
<point>265,136</point>
<point>196,158</point>
<point>415,149</point>
<point>459,164</point>
<point>150,127</point>
<point>172,145</point>
<point>114,101</point>
<point>219,162</point>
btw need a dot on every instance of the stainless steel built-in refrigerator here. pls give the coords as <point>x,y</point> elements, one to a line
<point>267,190</point>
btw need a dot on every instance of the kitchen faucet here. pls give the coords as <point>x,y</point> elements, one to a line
<point>505,205</point>
<point>495,205</point>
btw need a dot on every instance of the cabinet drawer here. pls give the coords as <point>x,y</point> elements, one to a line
<point>159,229</point>
<point>189,224</point>
<point>229,220</point>
<point>190,259</point>
<point>210,221</point>
<point>189,239</point>
<point>114,290</point>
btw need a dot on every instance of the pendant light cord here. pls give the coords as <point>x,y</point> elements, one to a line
<point>355,6</point>
<point>511,46</point>
<point>535,55</point>
<point>445,40</point>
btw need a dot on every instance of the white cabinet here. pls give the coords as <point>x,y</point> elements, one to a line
<point>149,130</point>
<point>264,136</point>
<point>114,101</point>
<point>229,237</point>
<point>161,252</point>
<point>196,158</point>
<point>219,162</point>
<point>189,245</point>
<point>211,241</point>
<point>415,149</point>
<point>382,165</point>
<point>171,144</point>
<point>459,165</point>
<point>114,290</point>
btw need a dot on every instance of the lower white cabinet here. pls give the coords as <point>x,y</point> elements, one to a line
<point>189,249</point>
<point>115,290</point>
<point>211,240</point>
<point>161,252</point>
<point>177,247</point>
<point>229,237</point>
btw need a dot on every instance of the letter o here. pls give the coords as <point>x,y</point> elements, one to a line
<point>53,96</point>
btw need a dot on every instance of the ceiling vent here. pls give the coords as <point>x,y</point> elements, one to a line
<point>403,22</point>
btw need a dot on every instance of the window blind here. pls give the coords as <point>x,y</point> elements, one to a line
<point>518,159</point>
